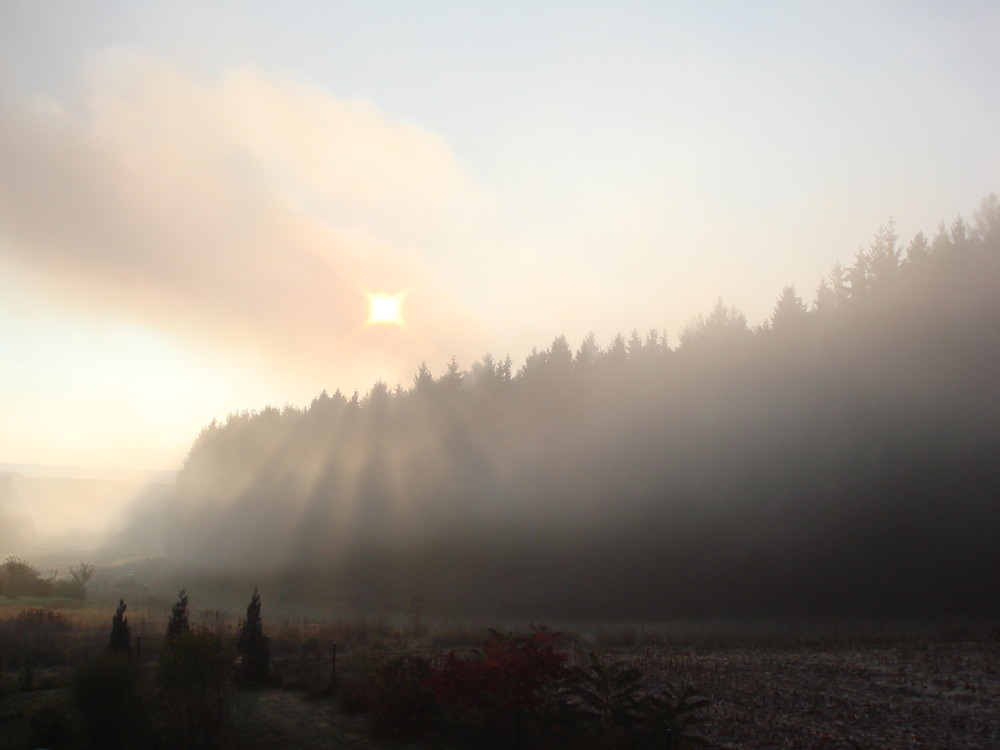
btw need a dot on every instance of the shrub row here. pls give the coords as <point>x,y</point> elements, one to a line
<point>519,691</point>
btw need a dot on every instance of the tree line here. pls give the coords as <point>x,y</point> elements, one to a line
<point>18,578</point>
<point>839,457</point>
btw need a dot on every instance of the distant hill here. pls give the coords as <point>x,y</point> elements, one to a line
<point>75,472</point>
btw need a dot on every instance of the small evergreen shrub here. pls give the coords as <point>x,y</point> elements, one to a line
<point>671,714</point>
<point>252,648</point>
<point>120,640</point>
<point>178,622</point>
<point>608,696</point>
<point>613,705</point>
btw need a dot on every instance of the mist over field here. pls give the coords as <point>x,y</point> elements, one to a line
<point>838,459</point>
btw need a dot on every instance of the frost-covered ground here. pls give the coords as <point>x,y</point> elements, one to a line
<point>930,695</point>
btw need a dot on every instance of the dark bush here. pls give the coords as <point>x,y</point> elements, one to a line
<point>194,672</point>
<point>509,672</point>
<point>399,703</point>
<point>26,680</point>
<point>505,685</point>
<point>17,578</point>
<point>355,695</point>
<point>51,725</point>
<point>107,696</point>
<point>37,637</point>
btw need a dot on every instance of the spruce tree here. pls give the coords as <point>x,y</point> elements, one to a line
<point>253,647</point>
<point>120,641</point>
<point>179,616</point>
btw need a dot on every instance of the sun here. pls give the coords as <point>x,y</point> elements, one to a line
<point>385,309</point>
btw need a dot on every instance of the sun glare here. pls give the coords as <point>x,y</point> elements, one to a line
<point>383,308</point>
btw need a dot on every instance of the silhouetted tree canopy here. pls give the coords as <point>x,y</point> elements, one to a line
<point>840,457</point>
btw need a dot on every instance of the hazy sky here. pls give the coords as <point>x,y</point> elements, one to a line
<point>196,198</point>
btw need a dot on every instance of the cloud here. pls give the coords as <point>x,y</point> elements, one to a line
<point>246,211</point>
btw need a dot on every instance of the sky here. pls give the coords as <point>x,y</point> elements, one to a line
<point>198,198</point>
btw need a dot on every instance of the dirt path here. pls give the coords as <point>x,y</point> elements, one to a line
<point>269,718</point>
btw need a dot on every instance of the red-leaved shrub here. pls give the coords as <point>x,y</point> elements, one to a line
<point>510,673</point>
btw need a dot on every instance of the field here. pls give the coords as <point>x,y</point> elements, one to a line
<point>935,688</point>
<point>888,695</point>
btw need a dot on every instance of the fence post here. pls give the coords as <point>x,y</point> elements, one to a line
<point>333,666</point>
